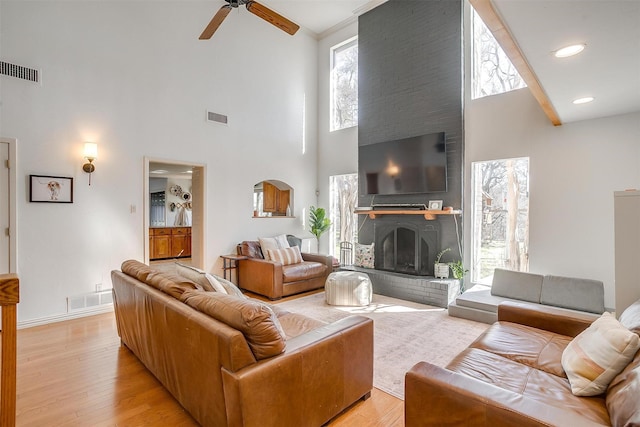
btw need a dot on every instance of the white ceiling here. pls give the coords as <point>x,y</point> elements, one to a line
<point>608,69</point>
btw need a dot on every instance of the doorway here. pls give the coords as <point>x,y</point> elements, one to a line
<point>174,211</point>
<point>8,261</point>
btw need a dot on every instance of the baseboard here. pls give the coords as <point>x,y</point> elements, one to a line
<point>106,308</point>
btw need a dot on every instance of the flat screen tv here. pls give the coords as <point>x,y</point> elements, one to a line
<point>404,166</point>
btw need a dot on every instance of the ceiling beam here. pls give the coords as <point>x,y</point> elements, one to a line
<point>492,20</point>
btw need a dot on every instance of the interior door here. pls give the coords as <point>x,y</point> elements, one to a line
<point>4,209</point>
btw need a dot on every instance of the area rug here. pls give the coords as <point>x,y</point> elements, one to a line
<point>405,333</point>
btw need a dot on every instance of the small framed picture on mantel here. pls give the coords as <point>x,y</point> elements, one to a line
<point>435,205</point>
<point>50,189</point>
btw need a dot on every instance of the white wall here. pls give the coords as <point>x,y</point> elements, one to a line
<point>133,77</point>
<point>574,170</point>
<point>338,150</point>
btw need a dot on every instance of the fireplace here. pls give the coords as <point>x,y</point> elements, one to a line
<point>406,247</point>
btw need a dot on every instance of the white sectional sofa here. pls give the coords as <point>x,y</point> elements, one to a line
<point>480,303</point>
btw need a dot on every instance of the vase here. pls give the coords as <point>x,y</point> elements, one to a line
<point>441,270</point>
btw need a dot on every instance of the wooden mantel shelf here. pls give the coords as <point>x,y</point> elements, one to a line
<point>428,214</point>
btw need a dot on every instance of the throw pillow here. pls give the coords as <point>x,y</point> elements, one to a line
<point>229,286</point>
<point>286,256</point>
<point>196,275</point>
<point>271,243</point>
<point>257,322</point>
<point>597,355</point>
<point>363,255</point>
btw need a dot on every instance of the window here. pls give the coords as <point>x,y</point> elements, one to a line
<point>343,193</point>
<point>344,85</point>
<point>493,72</point>
<point>500,217</point>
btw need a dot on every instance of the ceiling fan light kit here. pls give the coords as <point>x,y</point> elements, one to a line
<point>258,9</point>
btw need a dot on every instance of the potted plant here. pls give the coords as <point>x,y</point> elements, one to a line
<point>441,269</point>
<point>458,270</point>
<point>318,223</point>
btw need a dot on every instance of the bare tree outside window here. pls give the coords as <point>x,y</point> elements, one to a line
<point>343,193</point>
<point>500,218</point>
<point>344,85</point>
<point>493,72</point>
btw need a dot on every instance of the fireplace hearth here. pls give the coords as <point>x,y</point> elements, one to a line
<point>406,247</point>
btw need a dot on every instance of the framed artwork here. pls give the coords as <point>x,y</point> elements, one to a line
<point>50,189</point>
<point>435,205</point>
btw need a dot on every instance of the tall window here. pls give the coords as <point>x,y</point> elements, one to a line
<point>500,217</point>
<point>343,192</point>
<point>344,85</point>
<point>493,72</point>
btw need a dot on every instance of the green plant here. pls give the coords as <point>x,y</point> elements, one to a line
<point>457,269</point>
<point>318,222</point>
<point>442,252</point>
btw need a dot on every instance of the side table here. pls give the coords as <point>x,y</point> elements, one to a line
<point>230,262</point>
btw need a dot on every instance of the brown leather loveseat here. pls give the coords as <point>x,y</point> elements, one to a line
<point>512,375</point>
<point>275,280</point>
<point>233,361</point>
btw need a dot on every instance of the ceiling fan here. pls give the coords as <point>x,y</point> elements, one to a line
<point>254,7</point>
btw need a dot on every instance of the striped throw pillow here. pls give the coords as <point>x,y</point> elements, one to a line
<point>286,256</point>
<point>598,354</point>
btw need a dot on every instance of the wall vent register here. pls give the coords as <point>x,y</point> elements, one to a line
<point>19,72</point>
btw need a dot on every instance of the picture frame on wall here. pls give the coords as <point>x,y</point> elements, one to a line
<point>435,205</point>
<point>50,189</point>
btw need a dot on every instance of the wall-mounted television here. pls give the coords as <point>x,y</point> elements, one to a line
<point>404,166</point>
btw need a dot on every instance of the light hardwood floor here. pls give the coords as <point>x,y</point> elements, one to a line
<point>76,373</point>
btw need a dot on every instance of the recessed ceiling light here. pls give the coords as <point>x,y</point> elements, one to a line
<point>159,171</point>
<point>569,50</point>
<point>584,100</point>
<point>189,171</point>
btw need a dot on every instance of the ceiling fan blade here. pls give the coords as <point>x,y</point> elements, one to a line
<point>272,17</point>
<point>215,22</point>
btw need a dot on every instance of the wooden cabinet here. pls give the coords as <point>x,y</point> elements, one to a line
<point>270,197</point>
<point>169,242</point>
<point>275,200</point>
<point>627,248</point>
<point>180,242</point>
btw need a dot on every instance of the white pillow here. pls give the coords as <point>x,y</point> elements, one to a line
<point>272,243</point>
<point>215,284</point>
<point>599,353</point>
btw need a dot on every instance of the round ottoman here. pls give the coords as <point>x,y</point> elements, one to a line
<point>348,288</point>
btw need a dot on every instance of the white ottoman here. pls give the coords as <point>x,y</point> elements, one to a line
<point>348,288</point>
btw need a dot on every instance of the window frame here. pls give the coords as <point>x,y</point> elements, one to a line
<point>344,45</point>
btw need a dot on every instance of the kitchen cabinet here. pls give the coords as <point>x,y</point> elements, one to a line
<point>169,242</point>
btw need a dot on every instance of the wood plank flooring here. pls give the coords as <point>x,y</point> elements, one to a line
<point>76,373</point>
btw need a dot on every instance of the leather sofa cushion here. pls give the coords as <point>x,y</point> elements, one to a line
<point>303,271</point>
<point>295,324</point>
<point>257,321</point>
<point>517,285</point>
<point>136,269</point>
<point>622,395</point>
<point>171,284</point>
<point>529,382</point>
<point>533,347</point>
<point>251,249</point>
<point>577,294</point>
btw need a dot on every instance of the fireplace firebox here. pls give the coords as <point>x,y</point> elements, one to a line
<point>406,247</point>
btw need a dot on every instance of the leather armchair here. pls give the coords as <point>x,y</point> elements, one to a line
<point>274,280</point>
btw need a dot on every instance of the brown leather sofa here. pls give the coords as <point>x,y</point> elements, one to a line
<point>274,280</point>
<point>512,376</point>
<point>226,360</point>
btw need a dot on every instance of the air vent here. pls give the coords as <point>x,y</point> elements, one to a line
<point>19,72</point>
<point>91,299</point>
<point>215,117</point>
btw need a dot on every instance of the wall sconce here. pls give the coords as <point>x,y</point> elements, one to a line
<point>90,153</point>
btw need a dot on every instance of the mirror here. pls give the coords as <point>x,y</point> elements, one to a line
<point>272,198</point>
